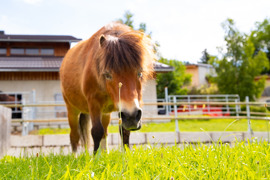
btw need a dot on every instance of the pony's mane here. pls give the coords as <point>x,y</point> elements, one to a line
<point>124,50</point>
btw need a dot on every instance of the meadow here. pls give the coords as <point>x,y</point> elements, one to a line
<point>241,160</point>
<point>184,126</point>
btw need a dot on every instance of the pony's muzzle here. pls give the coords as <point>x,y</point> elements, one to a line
<point>131,121</point>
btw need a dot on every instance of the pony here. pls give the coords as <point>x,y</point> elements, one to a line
<point>90,74</point>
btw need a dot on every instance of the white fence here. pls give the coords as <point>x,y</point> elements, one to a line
<point>36,114</point>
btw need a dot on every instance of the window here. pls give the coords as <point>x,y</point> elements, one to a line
<point>29,51</point>
<point>3,51</point>
<point>12,99</point>
<point>47,52</point>
<point>17,51</point>
<point>32,51</point>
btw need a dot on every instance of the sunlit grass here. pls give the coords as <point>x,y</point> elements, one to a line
<point>216,161</point>
<point>184,126</point>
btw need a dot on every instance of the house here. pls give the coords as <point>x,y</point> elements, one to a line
<point>199,72</point>
<point>265,97</point>
<point>31,62</point>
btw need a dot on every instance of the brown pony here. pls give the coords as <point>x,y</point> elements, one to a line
<point>90,74</point>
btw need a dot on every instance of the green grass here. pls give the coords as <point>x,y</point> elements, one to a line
<point>217,161</point>
<point>184,126</point>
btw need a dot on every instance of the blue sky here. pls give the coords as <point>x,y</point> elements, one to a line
<point>183,28</point>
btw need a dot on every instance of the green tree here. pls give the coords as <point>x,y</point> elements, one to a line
<point>239,65</point>
<point>261,39</point>
<point>205,57</point>
<point>175,81</point>
<point>128,20</point>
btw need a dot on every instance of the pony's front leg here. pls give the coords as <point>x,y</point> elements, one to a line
<point>124,136</point>
<point>97,131</point>
<point>105,120</point>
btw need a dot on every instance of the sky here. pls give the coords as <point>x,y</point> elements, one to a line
<point>183,28</point>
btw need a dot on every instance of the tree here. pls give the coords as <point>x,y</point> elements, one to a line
<point>239,65</point>
<point>205,57</point>
<point>261,39</point>
<point>173,80</point>
<point>128,20</point>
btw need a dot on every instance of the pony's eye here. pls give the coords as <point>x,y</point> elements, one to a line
<point>140,74</point>
<point>108,76</point>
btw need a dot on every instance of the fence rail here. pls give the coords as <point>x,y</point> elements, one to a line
<point>150,104</point>
<point>178,111</point>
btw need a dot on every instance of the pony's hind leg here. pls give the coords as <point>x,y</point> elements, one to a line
<point>84,130</point>
<point>124,135</point>
<point>105,120</point>
<point>73,118</point>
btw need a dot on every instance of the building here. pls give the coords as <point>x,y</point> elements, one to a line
<point>199,72</point>
<point>31,62</point>
<point>265,97</point>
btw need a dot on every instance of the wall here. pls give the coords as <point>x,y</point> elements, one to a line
<point>199,73</point>
<point>150,95</point>
<point>32,144</point>
<point>47,89</point>
<point>203,72</point>
<point>193,70</point>
<point>60,49</point>
<point>5,128</point>
<point>44,90</point>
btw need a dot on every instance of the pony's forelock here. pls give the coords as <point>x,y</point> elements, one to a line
<point>126,51</point>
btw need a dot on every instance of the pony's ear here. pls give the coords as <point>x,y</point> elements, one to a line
<point>102,39</point>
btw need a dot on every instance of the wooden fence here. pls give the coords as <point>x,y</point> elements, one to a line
<point>5,126</point>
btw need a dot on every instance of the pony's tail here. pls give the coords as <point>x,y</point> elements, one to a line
<point>84,130</point>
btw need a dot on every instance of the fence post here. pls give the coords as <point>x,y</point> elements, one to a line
<point>189,110</point>
<point>5,129</point>
<point>31,125</point>
<point>227,106</point>
<point>236,108</point>
<point>175,115</point>
<point>166,100</point>
<point>248,116</point>
<point>208,105</point>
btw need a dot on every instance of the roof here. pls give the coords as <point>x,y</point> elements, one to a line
<point>48,64</point>
<point>36,38</point>
<point>160,67</point>
<point>193,66</point>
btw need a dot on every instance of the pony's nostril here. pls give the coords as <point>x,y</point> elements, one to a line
<point>139,115</point>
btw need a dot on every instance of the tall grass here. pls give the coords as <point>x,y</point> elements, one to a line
<point>217,161</point>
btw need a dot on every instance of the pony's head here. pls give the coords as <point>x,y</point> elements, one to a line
<point>125,56</point>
